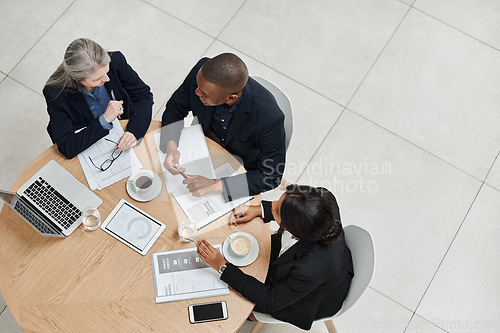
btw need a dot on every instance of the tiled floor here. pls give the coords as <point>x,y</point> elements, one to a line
<point>396,109</point>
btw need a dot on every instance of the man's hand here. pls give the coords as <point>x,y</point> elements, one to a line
<point>171,162</point>
<point>198,186</point>
<point>127,141</point>
<point>209,254</point>
<point>245,213</point>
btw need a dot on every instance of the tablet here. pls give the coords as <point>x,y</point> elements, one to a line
<point>133,227</point>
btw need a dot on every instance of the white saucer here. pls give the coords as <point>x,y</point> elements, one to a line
<point>148,196</point>
<point>240,261</point>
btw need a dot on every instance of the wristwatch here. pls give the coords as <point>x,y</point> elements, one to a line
<point>222,268</point>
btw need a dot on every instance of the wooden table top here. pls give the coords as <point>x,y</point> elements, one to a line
<point>91,282</point>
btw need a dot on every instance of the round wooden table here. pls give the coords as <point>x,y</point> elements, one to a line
<point>91,282</point>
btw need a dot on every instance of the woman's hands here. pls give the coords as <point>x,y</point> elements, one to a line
<point>209,254</point>
<point>245,213</point>
<point>127,141</point>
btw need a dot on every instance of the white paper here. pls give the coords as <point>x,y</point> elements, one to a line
<point>180,275</point>
<point>126,164</point>
<point>195,157</point>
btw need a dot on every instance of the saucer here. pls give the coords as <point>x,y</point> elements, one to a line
<point>236,260</point>
<point>148,196</point>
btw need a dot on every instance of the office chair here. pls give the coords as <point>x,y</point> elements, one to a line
<point>286,107</point>
<point>284,104</point>
<point>360,242</point>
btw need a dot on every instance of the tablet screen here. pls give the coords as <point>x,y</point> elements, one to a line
<point>132,227</point>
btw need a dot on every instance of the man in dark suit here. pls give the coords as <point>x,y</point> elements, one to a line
<point>310,268</point>
<point>236,112</point>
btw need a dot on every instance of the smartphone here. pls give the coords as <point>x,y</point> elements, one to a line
<point>199,313</point>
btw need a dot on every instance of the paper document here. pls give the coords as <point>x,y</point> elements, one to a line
<point>181,275</point>
<point>122,167</point>
<point>195,158</point>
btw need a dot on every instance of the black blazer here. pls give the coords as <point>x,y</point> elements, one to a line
<point>309,281</point>
<point>256,133</point>
<point>69,112</point>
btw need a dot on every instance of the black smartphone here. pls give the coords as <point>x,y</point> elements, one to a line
<point>199,313</point>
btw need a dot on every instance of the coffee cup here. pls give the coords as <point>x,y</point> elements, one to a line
<point>241,245</point>
<point>142,181</point>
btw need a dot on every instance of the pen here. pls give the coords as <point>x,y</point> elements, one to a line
<point>182,173</point>
<point>114,99</point>
<point>237,215</point>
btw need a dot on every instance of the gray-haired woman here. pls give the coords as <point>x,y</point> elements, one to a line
<point>88,91</point>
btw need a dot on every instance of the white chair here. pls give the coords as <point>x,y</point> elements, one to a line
<point>360,242</point>
<point>284,104</point>
<point>286,107</point>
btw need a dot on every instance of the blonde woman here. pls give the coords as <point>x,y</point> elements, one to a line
<point>88,91</point>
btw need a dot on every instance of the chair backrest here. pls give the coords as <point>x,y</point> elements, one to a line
<point>360,242</point>
<point>284,104</point>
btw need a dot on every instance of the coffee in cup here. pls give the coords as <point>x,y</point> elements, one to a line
<point>241,245</point>
<point>142,181</point>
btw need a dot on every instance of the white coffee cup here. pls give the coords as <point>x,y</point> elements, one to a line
<point>142,181</point>
<point>241,245</point>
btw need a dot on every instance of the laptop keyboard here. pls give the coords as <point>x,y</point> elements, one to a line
<point>34,221</point>
<point>52,203</point>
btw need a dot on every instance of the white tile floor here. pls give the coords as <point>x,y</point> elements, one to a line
<point>395,110</point>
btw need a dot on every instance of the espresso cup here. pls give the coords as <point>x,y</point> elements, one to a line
<point>241,245</point>
<point>142,181</point>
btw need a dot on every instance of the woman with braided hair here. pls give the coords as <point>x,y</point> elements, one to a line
<point>310,268</point>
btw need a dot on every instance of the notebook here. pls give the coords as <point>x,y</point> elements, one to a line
<point>52,201</point>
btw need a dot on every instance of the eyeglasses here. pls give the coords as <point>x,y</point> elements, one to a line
<point>107,163</point>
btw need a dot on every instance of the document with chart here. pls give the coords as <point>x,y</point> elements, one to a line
<point>181,275</point>
<point>195,158</point>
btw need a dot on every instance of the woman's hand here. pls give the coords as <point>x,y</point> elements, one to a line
<point>209,254</point>
<point>127,141</point>
<point>245,213</point>
<point>113,110</point>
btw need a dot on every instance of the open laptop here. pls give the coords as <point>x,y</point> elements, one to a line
<point>52,201</point>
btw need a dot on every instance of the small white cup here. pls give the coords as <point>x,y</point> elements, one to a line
<point>241,245</point>
<point>142,181</point>
<point>91,219</point>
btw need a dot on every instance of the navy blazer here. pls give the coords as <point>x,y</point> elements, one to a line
<point>256,133</point>
<point>309,281</point>
<point>69,112</point>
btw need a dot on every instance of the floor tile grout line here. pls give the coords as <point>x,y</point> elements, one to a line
<point>38,40</point>
<point>415,145</point>
<point>379,55</point>
<point>283,74</point>
<point>449,247</point>
<point>430,322</point>
<point>457,29</point>
<point>178,19</point>
<point>321,143</point>
<point>491,168</point>
<point>389,298</point>
<point>229,21</point>
<point>404,307</point>
<point>27,87</point>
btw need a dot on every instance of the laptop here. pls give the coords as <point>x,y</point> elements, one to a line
<point>52,201</point>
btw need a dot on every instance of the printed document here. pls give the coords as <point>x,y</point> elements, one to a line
<point>181,275</point>
<point>195,158</point>
<point>122,167</point>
